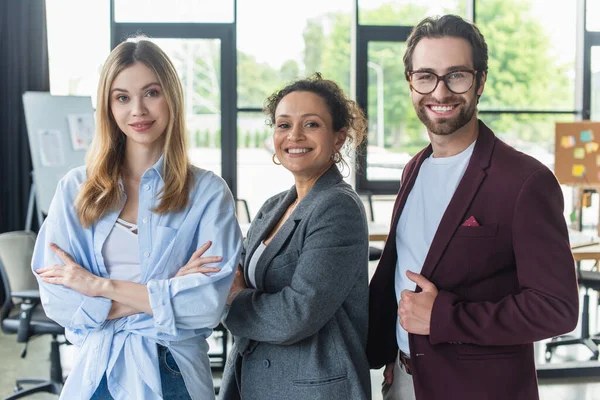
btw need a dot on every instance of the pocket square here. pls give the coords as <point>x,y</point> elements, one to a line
<point>471,221</point>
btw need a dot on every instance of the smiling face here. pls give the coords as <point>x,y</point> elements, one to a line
<point>442,111</point>
<point>304,139</point>
<point>139,106</point>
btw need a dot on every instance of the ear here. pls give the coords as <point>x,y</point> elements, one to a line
<point>481,84</point>
<point>340,139</point>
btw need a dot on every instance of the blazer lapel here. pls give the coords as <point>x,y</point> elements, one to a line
<point>460,202</point>
<point>329,178</point>
<point>263,225</point>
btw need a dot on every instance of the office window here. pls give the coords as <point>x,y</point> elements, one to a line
<point>281,44</point>
<point>531,54</point>
<point>595,109</point>
<point>276,46</point>
<point>592,15</point>
<point>174,11</point>
<point>407,12</point>
<point>78,46</point>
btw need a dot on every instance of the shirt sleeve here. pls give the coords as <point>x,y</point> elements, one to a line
<point>197,301</point>
<point>67,307</point>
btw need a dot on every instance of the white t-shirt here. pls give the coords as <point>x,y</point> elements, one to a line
<point>427,201</point>
<point>121,253</point>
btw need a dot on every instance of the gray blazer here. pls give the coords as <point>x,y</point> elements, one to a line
<point>301,334</point>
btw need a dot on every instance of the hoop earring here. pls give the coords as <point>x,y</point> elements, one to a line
<point>275,158</point>
<point>336,157</point>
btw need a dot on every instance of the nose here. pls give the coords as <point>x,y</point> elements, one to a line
<point>441,91</point>
<point>139,107</point>
<point>295,133</point>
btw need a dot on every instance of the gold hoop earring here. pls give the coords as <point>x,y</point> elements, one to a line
<point>275,158</point>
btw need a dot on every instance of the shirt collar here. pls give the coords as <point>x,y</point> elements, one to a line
<point>159,167</point>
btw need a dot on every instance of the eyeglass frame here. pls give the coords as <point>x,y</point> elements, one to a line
<point>442,78</point>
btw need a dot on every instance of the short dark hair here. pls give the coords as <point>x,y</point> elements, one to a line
<point>453,26</point>
<point>345,113</point>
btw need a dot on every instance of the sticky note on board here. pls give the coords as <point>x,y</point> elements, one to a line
<point>591,147</point>
<point>586,136</point>
<point>578,170</point>
<point>579,153</point>
<point>567,142</point>
<point>598,160</point>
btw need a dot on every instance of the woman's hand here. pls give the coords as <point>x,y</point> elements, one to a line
<point>238,285</point>
<point>71,275</point>
<point>196,264</point>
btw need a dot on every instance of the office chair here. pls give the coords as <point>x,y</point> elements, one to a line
<point>21,312</point>
<point>587,280</point>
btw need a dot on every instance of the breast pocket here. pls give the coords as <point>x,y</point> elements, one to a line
<point>488,230</point>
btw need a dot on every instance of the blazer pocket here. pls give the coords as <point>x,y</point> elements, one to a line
<point>320,381</point>
<point>285,259</point>
<point>488,230</point>
<point>476,352</point>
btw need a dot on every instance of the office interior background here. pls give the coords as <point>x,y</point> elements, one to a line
<point>544,67</point>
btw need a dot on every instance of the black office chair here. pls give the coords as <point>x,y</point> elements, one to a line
<point>22,314</point>
<point>587,280</point>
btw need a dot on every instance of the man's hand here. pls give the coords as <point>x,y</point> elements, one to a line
<point>72,275</point>
<point>388,374</point>
<point>414,309</point>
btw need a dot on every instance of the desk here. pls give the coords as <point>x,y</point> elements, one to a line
<point>590,252</point>
<point>378,232</point>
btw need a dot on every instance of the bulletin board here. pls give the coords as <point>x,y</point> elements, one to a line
<point>577,153</point>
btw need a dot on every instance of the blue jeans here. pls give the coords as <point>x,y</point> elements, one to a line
<point>171,380</point>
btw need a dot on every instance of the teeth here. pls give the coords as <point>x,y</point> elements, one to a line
<point>442,108</point>
<point>298,151</point>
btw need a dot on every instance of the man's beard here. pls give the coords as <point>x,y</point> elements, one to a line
<point>447,126</point>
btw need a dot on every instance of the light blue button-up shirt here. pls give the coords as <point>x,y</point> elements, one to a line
<point>185,308</point>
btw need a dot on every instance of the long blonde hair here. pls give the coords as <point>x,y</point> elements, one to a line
<point>101,192</point>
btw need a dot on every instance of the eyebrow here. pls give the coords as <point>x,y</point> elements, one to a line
<point>144,88</point>
<point>303,115</point>
<point>448,70</point>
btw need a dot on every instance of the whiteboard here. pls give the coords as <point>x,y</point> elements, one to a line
<point>53,152</point>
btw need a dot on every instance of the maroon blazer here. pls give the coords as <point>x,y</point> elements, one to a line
<point>502,285</point>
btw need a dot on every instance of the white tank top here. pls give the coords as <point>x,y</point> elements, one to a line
<point>121,252</point>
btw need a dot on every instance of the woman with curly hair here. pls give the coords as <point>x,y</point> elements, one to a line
<point>298,307</point>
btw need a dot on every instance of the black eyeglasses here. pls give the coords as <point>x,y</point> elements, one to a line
<point>458,82</point>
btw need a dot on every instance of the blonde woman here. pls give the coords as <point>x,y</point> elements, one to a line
<point>121,258</point>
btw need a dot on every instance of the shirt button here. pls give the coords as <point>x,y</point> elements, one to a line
<point>266,363</point>
<point>147,187</point>
<point>145,220</point>
<point>150,172</point>
<point>146,254</point>
<point>89,382</point>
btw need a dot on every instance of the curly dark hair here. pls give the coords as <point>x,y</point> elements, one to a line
<point>345,113</point>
